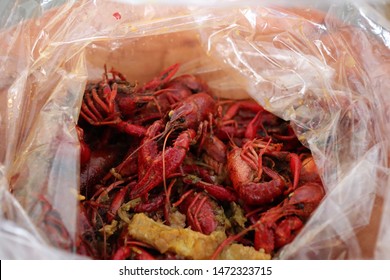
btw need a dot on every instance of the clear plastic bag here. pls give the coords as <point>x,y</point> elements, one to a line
<point>323,66</point>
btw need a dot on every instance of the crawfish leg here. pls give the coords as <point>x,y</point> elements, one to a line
<point>87,114</point>
<point>254,125</point>
<point>295,166</point>
<point>92,106</point>
<point>116,204</point>
<point>161,79</point>
<point>130,129</point>
<point>237,106</point>
<point>99,101</point>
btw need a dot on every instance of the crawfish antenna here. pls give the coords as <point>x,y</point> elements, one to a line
<point>163,162</point>
<point>231,140</point>
<point>105,75</point>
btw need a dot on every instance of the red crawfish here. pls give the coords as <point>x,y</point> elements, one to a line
<point>211,149</point>
<point>99,164</point>
<point>151,204</point>
<point>111,101</point>
<point>247,119</point>
<point>160,91</point>
<point>86,242</point>
<point>99,108</point>
<point>190,112</point>
<point>309,171</point>
<point>264,125</point>
<point>177,90</point>
<point>50,221</point>
<point>169,91</point>
<point>154,165</point>
<point>202,212</point>
<point>279,225</point>
<point>159,81</point>
<point>294,162</point>
<point>104,203</point>
<point>214,153</point>
<point>238,120</point>
<point>246,172</point>
<point>193,113</point>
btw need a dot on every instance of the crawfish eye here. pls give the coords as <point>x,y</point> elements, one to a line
<point>181,120</point>
<point>300,206</point>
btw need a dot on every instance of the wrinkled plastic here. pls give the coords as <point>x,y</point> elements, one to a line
<point>327,71</point>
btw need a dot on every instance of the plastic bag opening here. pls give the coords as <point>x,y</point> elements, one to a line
<point>324,71</point>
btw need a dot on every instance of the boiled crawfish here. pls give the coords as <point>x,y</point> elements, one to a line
<point>247,172</point>
<point>188,160</point>
<point>154,166</point>
<point>279,225</point>
<point>112,101</point>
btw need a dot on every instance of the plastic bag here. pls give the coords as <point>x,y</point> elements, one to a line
<point>326,71</point>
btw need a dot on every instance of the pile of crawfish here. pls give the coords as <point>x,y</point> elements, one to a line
<point>171,150</point>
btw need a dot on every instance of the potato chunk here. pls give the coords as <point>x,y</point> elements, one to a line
<point>186,242</point>
<point>241,252</point>
<point>182,241</point>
